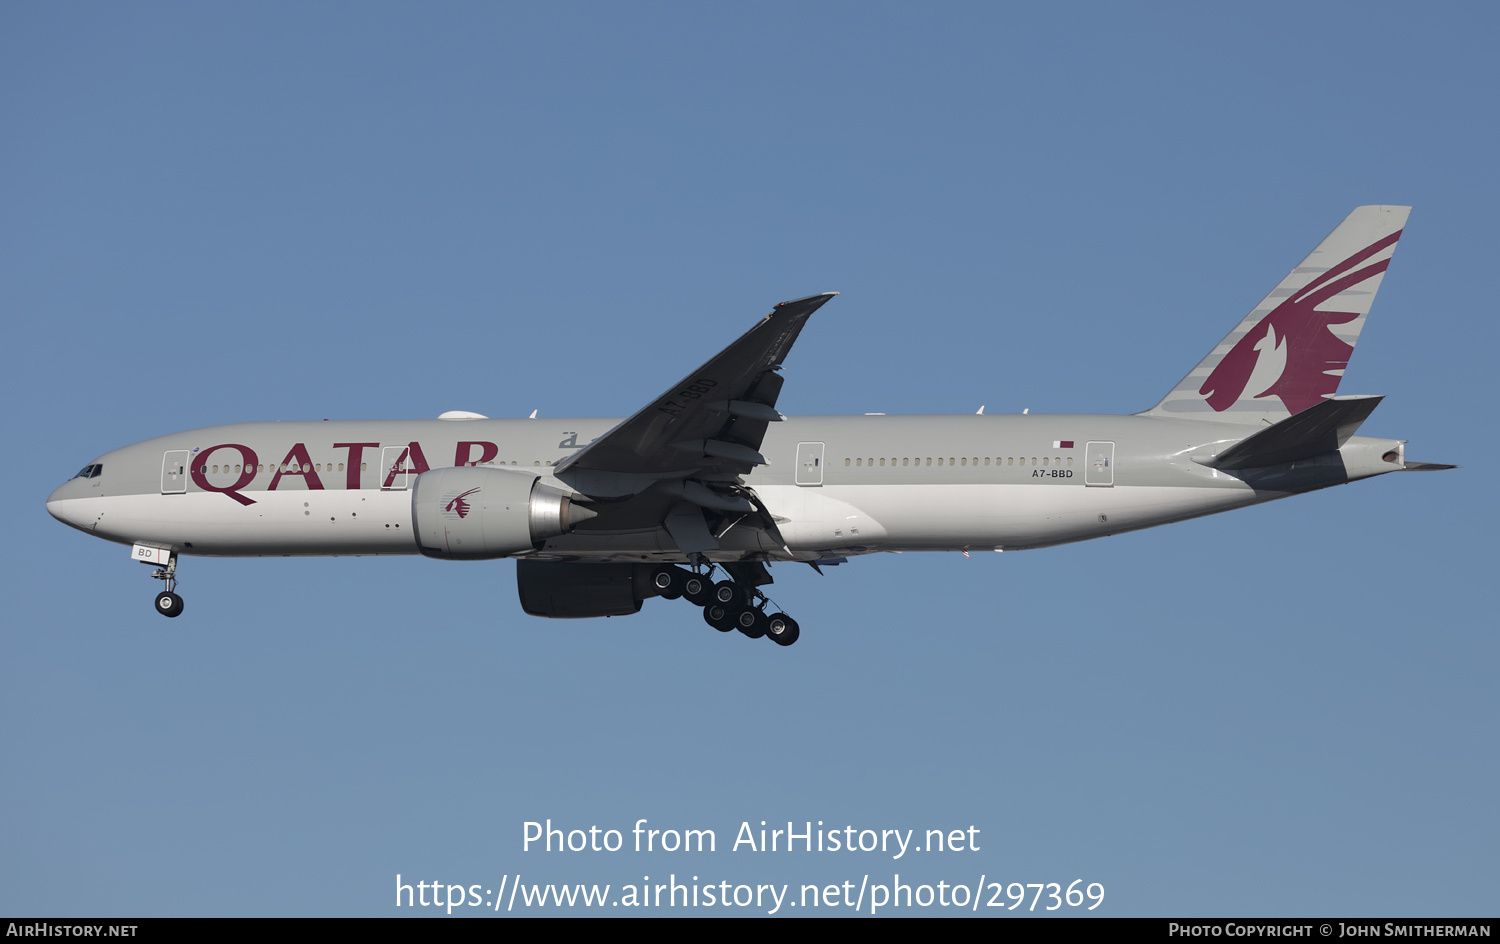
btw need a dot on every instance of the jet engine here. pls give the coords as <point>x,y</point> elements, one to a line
<point>477,513</point>
<point>569,590</point>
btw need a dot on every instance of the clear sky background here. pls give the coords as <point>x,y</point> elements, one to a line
<point>212,213</point>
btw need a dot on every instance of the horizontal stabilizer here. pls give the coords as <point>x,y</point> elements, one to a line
<point>1320,428</point>
<point>1426,467</point>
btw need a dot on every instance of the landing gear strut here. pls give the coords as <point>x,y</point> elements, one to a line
<point>728,604</point>
<point>168,603</point>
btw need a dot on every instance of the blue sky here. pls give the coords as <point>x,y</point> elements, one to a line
<point>294,211</point>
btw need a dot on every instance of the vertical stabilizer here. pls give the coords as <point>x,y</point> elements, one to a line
<point>1290,352</point>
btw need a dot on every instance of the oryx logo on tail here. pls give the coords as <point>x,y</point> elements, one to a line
<point>1290,352</point>
<point>1293,353</point>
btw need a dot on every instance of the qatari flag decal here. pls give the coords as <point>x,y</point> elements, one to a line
<point>1062,444</point>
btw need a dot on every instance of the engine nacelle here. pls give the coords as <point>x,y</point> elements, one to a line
<point>476,513</point>
<point>567,590</point>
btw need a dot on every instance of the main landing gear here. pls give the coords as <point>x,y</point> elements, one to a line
<point>168,603</point>
<point>727,604</point>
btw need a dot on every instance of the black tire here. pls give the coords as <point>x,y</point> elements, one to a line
<point>668,581</point>
<point>750,621</point>
<point>697,589</point>
<point>718,617</point>
<point>169,604</point>
<point>782,629</point>
<point>727,593</point>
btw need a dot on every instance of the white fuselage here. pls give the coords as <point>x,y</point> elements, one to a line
<point>835,486</point>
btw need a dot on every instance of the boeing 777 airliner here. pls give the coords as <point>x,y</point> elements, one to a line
<point>602,514</point>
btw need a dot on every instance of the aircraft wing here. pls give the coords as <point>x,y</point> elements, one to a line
<point>708,426</point>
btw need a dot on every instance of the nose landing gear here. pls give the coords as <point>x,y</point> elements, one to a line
<point>168,603</point>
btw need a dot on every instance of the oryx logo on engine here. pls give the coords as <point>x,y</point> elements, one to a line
<point>457,507</point>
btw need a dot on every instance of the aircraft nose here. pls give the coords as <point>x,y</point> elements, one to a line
<point>66,505</point>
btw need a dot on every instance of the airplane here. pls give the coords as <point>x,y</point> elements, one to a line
<point>710,478</point>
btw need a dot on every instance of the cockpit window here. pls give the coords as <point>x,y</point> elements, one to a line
<point>90,471</point>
